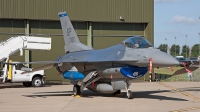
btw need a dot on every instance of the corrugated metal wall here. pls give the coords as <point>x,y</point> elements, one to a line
<point>134,11</point>
<point>108,34</point>
<point>84,10</point>
<point>107,29</point>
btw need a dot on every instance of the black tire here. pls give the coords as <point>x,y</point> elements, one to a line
<point>27,84</point>
<point>130,94</point>
<point>76,90</point>
<point>37,82</point>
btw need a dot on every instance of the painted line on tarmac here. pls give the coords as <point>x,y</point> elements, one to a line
<point>186,109</point>
<point>182,92</point>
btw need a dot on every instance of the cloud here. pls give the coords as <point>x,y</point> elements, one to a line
<point>184,20</point>
<point>165,1</point>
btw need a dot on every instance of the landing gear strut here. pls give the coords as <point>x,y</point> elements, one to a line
<point>76,90</point>
<point>129,92</point>
<point>93,77</point>
<point>117,92</point>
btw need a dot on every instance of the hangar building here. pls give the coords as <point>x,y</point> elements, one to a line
<point>98,23</point>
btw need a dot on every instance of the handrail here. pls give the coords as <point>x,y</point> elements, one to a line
<point>6,41</point>
<point>15,43</point>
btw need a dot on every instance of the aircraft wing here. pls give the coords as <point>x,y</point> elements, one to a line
<point>44,67</point>
<point>115,61</point>
<point>192,67</point>
<point>183,70</point>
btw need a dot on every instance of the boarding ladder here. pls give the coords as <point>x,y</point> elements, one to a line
<point>18,43</point>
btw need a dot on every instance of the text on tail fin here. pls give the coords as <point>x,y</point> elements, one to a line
<point>72,42</point>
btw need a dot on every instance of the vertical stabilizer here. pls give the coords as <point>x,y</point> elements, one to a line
<point>72,43</point>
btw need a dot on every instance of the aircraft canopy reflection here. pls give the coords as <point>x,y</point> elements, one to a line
<point>137,42</point>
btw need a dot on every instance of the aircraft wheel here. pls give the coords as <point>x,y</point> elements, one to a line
<point>76,90</point>
<point>129,94</point>
<point>27,84</point>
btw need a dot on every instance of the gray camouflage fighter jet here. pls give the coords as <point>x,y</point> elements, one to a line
<point>106,70</point>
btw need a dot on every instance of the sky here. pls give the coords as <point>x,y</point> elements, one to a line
<point>176,18</point>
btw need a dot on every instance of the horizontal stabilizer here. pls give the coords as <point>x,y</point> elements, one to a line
<point>44,67</point>
<point>41,62</point>
<point>73,61</point>
<point>183,70</point>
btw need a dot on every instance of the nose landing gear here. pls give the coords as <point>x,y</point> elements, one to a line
<point>129,92</point>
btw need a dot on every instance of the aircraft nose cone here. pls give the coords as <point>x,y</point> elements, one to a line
<point>163,59</point>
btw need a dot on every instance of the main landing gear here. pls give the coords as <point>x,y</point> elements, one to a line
<point>129,92</point>
<point>76,90</point>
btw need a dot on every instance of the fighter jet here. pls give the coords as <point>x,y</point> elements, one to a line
<point>106,70</point>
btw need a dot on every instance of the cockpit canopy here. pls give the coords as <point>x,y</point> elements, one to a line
<point>137,42</point>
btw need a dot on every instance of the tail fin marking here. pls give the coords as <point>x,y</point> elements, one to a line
<point>72,43</point>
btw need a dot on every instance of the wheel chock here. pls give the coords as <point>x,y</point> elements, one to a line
<point>77,96</point>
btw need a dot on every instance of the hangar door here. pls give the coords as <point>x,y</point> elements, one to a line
<point>108,34</point>
<point>53,30</point>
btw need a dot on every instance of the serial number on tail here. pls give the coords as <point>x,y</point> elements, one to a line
<point>71,39</point>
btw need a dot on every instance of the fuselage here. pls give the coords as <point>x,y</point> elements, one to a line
<point>105,59</point>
